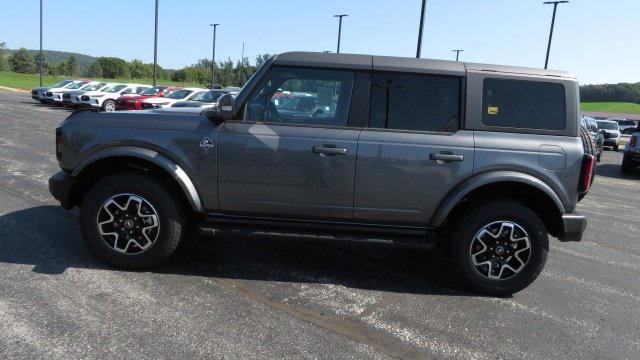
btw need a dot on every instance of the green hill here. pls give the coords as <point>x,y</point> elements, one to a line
<point>56,57</point>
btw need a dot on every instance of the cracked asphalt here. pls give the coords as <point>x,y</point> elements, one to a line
<point>266,298</point>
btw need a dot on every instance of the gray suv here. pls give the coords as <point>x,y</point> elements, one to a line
<point>483,160</point>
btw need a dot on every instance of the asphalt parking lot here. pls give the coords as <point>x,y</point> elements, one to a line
<point>274,298</point>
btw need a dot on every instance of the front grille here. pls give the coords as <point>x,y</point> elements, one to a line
<point>66,96</point>
<point>85,98</point>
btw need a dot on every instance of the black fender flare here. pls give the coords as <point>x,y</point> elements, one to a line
<point>475,182</point>
<point>181,177</point>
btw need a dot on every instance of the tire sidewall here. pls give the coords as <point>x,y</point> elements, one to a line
<point>504,211</point>
<point>169,217</point>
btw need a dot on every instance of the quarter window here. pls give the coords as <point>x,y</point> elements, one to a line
<point>416,102</point>
<point>302,96</point>
<point>523,104</point>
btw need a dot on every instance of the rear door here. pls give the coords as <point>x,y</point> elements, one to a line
<point>414,152</point>
<point>293,154</point>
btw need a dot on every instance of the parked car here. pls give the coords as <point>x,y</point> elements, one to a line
<point>38,93</point>
<point>591,125</point>
<point>134,101</point>
<point>611,132</point>
<point>631,157</point>
<point>395,158</point>
<point>625,137</point>
<point>54,95</point>
<point>72,98</point>
<point>171,98</point>
<point>105,100</point>
<point>624,123</point>
<point>203,99</point>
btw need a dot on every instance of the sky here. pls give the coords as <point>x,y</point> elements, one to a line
<point>596,39</point>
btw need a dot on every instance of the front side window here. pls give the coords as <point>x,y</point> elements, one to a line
<point>416,102</point>
<point>302,96</point>
<point>115,88</point>
<point>523,104</point>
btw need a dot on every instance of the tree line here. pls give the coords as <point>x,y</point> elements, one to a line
<point>623,92</point>
<point>227,72</point>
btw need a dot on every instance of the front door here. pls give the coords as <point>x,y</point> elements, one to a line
<point>415,151</point>
<point>292,154</point>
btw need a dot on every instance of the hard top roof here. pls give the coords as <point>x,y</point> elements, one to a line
<point>403,64</point>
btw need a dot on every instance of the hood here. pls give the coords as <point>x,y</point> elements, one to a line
<point>152,120</point>
<point>160,100</point>
<point>188,103</point>
<point>74,92</point>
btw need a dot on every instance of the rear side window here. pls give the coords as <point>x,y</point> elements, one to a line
<point>416,102</point>
<point>523,104</point>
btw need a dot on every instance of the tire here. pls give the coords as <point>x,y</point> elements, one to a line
<point>626,167</point>
<point>504,215</point>
<point>588,143</point>
<point>598,157</point>
<point>109,105</point>
<point>615,148</point>
<point>152,240</point>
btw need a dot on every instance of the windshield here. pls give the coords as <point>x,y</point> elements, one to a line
<point>607,125</point>
<point>179,94</point>
<point>114,88</point>
<point>153,90</point>
<point>61,83</point>
<point>77,85</point>
<point>207,96</point>
<point>92,86</point>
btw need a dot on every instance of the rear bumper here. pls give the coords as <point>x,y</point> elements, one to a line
<point>573,225</point>
<point>60,186</point>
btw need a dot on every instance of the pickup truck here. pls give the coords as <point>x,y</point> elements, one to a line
<point>484,161</point>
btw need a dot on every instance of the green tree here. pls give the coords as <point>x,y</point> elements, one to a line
<point>72,66</point>
<point>4,63</point>
<point>46,69</point>
<point>95,70</point>
<point>22,61</point>
<point>140,70</point>
<point>61,68</point>
<point>113,68</point>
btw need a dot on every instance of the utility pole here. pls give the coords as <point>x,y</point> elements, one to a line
<point>155,48</point>
<point>213,55</point>
<point>553,20</point>
<point>339,16</point>
<point>458,51</point>
<point>242,57</point>
<point>424,8</point>
<point>41,51</point>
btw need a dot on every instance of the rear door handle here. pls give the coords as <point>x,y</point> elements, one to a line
<point>326,150</point>
<point>445,157</point>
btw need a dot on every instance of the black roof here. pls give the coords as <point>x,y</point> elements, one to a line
<point>402,64</point>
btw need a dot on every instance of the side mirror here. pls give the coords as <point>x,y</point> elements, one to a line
<point>225,110</point>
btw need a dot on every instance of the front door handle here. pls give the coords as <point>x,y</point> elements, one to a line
<point>326,150</point>
<point>445,157</point>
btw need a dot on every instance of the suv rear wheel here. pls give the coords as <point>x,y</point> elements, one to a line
<point>131,220</point>
<point>109,105</point>
<point>498,248</point>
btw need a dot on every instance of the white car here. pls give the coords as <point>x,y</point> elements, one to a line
<point>624,124</point>
<point>611,132</point>
<point>54,95</point>
<point>38,92</point>
<point>171,98</point>
<point>105,99</point>
<point>72,97</point>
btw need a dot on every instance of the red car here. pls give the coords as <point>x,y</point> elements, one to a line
<point>134,101</point>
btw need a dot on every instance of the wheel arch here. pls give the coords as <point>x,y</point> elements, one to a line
<point>120,158</point>
<point>499,185</point>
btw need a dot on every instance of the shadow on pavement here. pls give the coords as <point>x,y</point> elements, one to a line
<point>48,238</point>
<point>613,171</point>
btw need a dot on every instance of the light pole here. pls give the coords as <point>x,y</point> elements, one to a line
<point>155,48</point>
<point>424,8</point>
<point>41,52</point>
<point>339,16</point>
<point>213,55</point>
<point>553,20</point>
<point>458,51</point>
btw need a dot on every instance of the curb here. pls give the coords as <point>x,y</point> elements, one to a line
<point>5,88</point>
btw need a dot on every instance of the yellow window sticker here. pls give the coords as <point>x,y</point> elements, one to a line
<point>492,110</point>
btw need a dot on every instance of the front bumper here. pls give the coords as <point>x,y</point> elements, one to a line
<point>611,142</point>
<point>60,186</point>
<point>573,225</point>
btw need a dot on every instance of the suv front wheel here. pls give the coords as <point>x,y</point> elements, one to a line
<point>131,220</point>
<point>498,248</point>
